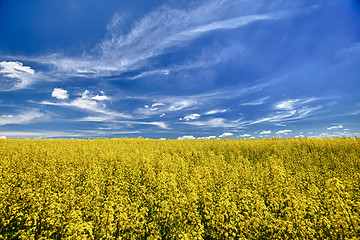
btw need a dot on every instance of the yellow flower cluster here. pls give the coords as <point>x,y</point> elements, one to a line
<point>190,189</point>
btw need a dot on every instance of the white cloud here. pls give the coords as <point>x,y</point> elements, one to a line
<point>265,132</point>
<point>21,134</point>
<point>14,69</point>
<point>93,106</point>
<point>206,59</point>
<point>163,114</point>
<point>245,135</point>
<point>206,138</point>
<point>85,94</point>
<point>192,116</point>
<point>88,95</point>
<point>154,107</point>
<point>100,98</point>
<point>256,102</point>
<point>154,72</point>
<point>334,135</point>
<point>214,122</point>
<point>62,134</point>
<point>198,101</point>
<point>2,137</point>
<point>103,118</point>
<point>286,105</point>
<point>179,105</point>
<point>22,76</point>
<point>159,31</point>
<point>60,93</point>
<point>165,28</point>
<point>226,135</point>
<point>157,104</point>
<point>186,137</point>
<point>217,122</point>
<point>293,103</point>
<point>29,116</point>
<point>289,110</point>
<point>90,103</point>
<point>171,104</point>
<point>335,127</point>
<point>229,24</point>
<point>129,123</point>
<point>162,125</point>
<point>300,136</point>
<point>159,124</point>
<point>284,131</point>
<point>216,111</point>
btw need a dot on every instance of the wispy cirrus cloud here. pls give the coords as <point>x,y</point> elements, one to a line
<point>289,110</point>
<point>159,124</point>
<point>255,102</point>
<point>63,134</point>
<point>160,31</point>
<point>167,104</point>
<point>231,23</point>
<point>336,134</point>
<point>292,104</point>
<point>198,101</point>
<point>217,123</point>
<point>24,117</point>
<point>216,111</point>
<point>127,123</point>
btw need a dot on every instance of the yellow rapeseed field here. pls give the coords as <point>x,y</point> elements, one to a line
<point>172,189</point>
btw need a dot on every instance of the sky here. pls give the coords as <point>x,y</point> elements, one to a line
<point>179,69</point>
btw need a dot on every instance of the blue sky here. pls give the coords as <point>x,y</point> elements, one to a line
<point>179,69</point>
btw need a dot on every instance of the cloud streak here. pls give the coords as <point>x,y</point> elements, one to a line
<point>286,131</point>
<point>289,110</point>
<point>25,117</point>
<point>256,102</point>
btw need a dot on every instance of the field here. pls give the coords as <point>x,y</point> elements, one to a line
<point>172,189</point>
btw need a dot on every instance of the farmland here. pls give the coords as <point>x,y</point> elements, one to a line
<point>172,189</point>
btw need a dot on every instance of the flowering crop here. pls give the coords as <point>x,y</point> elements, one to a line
<point>190,189</point>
